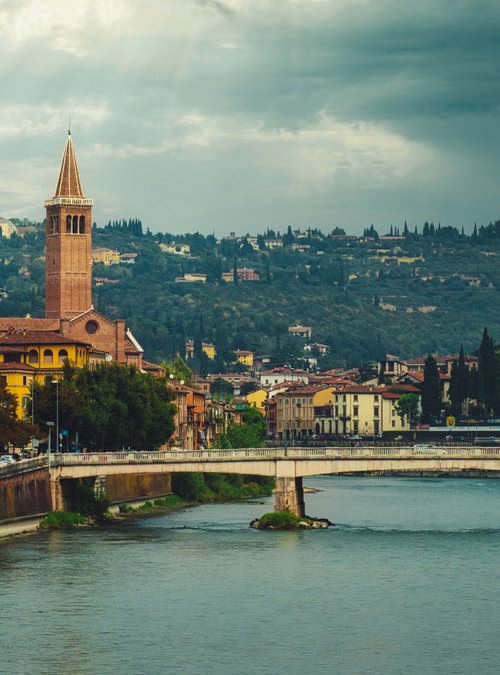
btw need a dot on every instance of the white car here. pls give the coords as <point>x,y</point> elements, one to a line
<point>7,459</point>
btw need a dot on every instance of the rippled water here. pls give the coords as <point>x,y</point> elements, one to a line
<point>407,583</point>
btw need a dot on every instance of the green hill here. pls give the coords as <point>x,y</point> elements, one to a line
<point>361,296</point>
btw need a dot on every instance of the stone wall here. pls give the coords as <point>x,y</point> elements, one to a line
<point>26,494</point>
<point>133,486</point>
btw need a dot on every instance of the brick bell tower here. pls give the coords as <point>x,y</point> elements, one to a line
<point>68,251</point>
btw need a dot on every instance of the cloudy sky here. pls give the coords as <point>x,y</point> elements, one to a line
<point>236,115</point>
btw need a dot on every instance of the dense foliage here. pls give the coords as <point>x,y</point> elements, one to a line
<point>362,297</point>
<point>111,407</point>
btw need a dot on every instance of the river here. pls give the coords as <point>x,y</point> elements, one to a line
<point>408,582</point>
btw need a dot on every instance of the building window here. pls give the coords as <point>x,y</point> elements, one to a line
<point>82,224</point>
<point>376,427</point>
<point>32,356</point>
<point>355,411</point>
<point>63,355</point>
<point>376,398</point>
<point>356,398</point>
<point>355,427</point>
<point>48,356</point>
<point>393,423</point>
<point>375,412</point>
<point>75,224</point>
<point>25,380</point>
<point>68,224</point>
<point>91,327</point>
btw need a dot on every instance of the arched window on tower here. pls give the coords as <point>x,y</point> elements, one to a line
<point>51,225</point>
<point>63,355</point>
<point>56,224</point>
<point>75,224</point>
<point>68,224</point>
<point>82,224</point>
<point>48,356</point>
<point>32,356</point>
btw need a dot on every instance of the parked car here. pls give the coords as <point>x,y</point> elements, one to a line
<point>7,459</point>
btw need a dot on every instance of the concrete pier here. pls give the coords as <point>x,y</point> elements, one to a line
<point>289,496</point>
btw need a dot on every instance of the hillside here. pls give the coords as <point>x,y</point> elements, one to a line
<point>362,296</point>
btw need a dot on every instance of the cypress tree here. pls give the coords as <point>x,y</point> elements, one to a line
<point>459,383</point>
<point>431,390</point>
<point>235,272</point>
<point>487,373</point>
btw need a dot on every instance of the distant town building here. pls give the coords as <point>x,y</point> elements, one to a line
<point>300,331</point>
<point>7,228</point>
<point>106,256</point>
<point>175,248</point>
<point>192,278</point>
<point>207,347</point>
<point>244,357</point>
<point>243,273</point>
<point>128,258</point>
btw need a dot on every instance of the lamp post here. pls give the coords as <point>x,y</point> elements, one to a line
<point>50,425</point>
<point>56,382</point>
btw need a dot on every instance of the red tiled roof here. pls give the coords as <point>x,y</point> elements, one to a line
<point>146,365</point>
<point>28,323</point>
<point>17,366</point>
<point>38,337</point>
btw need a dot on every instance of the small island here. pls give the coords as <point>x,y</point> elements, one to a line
<point>284,520</point>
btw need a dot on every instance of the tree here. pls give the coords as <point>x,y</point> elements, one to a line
<point>179,369</point>
<point>487,373</point>
<point>250,434</point>
<point>407,406</point>
<point>111,406</point>
<point>459,383</point>
<point>431,390</point>
<point>12,430</point>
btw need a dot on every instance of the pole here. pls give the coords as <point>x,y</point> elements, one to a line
<point>50,425</point>
<point>57,416</point>
<point>56,382</point>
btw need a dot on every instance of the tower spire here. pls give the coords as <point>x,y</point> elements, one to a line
<point>68,183</point>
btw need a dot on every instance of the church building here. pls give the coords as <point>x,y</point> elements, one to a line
<point>68,279</point>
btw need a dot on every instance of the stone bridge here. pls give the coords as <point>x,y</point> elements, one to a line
<point>287,466</point>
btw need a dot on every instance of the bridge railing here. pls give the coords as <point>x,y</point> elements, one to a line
<point>274,453</point>
<point>310,453</point>
<point>22,465</point>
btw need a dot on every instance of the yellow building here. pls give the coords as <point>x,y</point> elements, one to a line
<point>296,409</point>
<point>364,410</point>
<point>244,357</point>
<point>26,355</point>
<point>207,347</point>
<point>18,380</point>
<point>257,398</point>
<point>106,256</point>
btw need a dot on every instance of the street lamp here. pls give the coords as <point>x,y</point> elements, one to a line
<point>56,382</point>
<point>50,425</point>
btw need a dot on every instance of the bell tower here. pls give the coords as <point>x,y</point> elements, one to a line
<point>68,250</point>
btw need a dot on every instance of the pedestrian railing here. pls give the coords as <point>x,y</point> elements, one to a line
<point>256,454</point>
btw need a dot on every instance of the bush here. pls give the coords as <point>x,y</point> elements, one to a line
<point>61,519</point>
<point>166,502</point>
<point>125,508</point>
<point>279,520</point>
